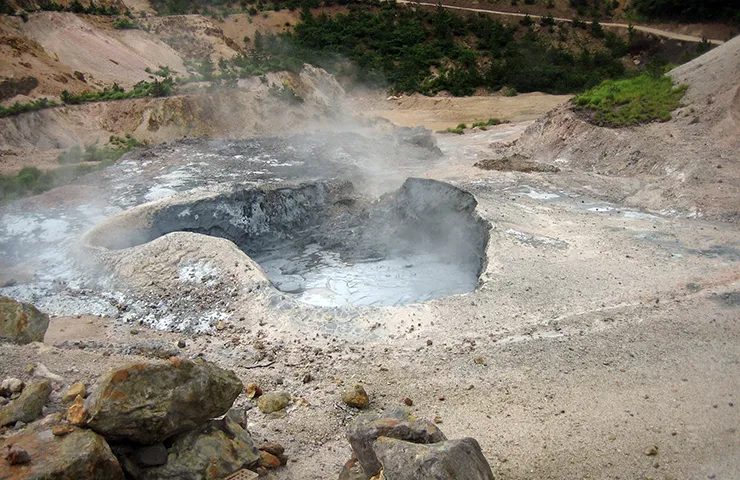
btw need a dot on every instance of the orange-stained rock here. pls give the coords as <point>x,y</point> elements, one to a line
<point>269,460</point>
<point>81,454</point>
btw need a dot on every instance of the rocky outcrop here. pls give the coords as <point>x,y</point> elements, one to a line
<point>28,406</point>
<point>74,455</point>
<point>21,322</point>
<point>448,460</point>
<point>217,449</point>
<point>150,402</point>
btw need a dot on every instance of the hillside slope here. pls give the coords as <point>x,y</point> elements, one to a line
<point>690,164</point>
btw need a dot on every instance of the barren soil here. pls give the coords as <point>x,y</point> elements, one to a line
<point>440,113</point>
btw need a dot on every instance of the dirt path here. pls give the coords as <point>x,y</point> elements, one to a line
<point>654,31</point>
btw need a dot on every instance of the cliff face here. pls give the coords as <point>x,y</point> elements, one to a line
<point>690,164</point>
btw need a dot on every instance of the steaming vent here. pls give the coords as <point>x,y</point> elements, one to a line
<point>327,246</point>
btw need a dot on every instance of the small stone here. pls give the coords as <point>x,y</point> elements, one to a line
<point>408,401</point>
<point>480,361</point>
<point>74,390</point>
<point>17,456</point>
<point>441,399</point>
<point>181,344</point>
<point>429,343</point>
<point>76,413</point>
<point>307,378</point>
<point>134,331</point>
<point>272,447</point>
<point>651,451</point>
<point>220,325</point>
<point>273,402</point>
<point>253,391</point>
<point>437,419</point>
<point>62,430</point>
<point>269,460</point>
<point>356,397</point>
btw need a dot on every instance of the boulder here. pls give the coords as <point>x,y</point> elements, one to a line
<point>449,460</point>
<point>28,406</point>
<point>149,402</point>
<point>396,424</point>
<point>74,456</point>
<point>213,451</point>
<point>21,323</point>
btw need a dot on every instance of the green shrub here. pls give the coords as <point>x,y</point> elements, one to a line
<point>619,103</point>
<point>124,23</point>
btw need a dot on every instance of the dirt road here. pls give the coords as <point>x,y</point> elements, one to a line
<point>654,31</point>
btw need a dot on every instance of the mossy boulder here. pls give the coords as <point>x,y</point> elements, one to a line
<point>21,323</point>
<point>28,406</point>
<point>149,402</point>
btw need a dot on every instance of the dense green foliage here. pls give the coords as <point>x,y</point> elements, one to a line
<point>398,46</point>
<point>32,181</point>
<point>689,10</point>
<point>92,8</point>
<point>31,106</point>
<point>619,103</point>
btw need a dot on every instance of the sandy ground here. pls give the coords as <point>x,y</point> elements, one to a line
<point>440,113</point>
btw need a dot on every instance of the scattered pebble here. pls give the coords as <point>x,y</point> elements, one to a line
<point>408,401</point>
<point>356,397</point>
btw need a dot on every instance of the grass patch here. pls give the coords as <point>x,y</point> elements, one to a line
<point>642,99</point>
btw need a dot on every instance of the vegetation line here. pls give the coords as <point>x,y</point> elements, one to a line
<point>654,31</point>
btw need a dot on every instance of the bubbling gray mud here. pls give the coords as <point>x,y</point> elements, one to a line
<point>328,246</point>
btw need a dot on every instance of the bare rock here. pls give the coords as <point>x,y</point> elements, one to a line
<point>394,424</point>
<point>21,323</point>
<point>77,413</point>
<point>273,401</point>
<point>149,402</point>
<point>449,460</point>
<point>28,406</point>
<point>42,371</point>
<point>151,455</point>
<point>212,451</point>
<point>10,386</point>
<point>74,456</point>
<point>356,397</point>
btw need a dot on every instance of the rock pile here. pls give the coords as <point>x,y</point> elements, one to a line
<point>395,445</point>
<point>147,420</point>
